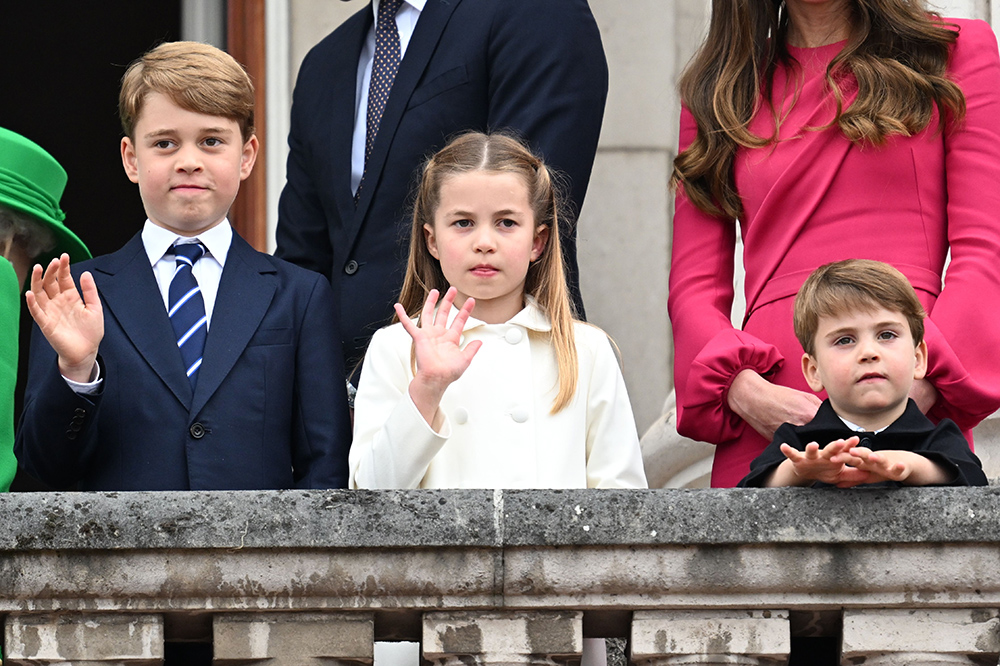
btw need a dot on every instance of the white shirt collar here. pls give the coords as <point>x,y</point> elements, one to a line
<point>530,317</point>
<point>856,428</point>
<point>216,240</point>
<point>416,4</point>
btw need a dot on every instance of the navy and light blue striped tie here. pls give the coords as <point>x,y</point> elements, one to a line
<point>186,308</point>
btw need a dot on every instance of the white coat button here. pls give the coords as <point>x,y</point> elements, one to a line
<point>461,416</point>
<point>520,415</point>
<point>513,336</point>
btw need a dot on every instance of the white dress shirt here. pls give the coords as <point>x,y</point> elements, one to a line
<point>406,22</point>
<point>207,270</point>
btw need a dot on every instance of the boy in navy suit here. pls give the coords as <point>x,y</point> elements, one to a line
<point>191,361</point>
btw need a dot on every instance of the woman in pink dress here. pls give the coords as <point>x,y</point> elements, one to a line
<point>861,130</point>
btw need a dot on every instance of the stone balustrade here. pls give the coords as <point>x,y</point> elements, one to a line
<point>502,577</point>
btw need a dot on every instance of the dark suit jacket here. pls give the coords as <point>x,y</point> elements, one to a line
<point>268,410</point>
<point>943,443</point>
<point>536,66</point>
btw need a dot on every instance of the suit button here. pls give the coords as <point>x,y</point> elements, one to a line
<point>70,435</point>
<point>197,430</point>
<point>351,268</point>
<point>520,415</point>
<point>80,411</point>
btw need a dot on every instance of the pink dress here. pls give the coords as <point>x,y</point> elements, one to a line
<point>814,198</point>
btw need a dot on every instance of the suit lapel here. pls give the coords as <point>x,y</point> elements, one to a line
<point>344,104</point>
<point>245,293</point>
<point>128,287</point>
<point>433,19</point>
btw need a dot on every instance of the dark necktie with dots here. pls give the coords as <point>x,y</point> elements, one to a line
<point>384,67</point>
<point>186,308</point>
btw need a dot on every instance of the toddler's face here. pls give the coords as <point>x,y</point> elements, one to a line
<point>867,362</point>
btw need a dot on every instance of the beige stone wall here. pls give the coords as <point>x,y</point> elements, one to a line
<point>624,234</point>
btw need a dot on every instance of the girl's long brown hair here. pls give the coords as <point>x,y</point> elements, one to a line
<point>545,281</point>
<point>897,52</point>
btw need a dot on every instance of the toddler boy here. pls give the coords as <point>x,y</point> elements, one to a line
<point>861,326</point>
<point>191,361</point>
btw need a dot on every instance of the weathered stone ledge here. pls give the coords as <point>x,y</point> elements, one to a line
<point>231,567</point>
<point>341,519</point>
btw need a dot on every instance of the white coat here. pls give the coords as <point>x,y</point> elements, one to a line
<point>497,429</point>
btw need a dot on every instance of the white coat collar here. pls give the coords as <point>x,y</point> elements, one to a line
<point>530,317</point>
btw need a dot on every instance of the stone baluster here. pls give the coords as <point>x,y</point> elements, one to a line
<point>514,638</point>
<point>914,637</point>
<point>293,639</point>
<point>753,638</point>
<point>83,639</point>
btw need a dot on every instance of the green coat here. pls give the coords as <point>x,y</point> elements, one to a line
<point>10,311</point>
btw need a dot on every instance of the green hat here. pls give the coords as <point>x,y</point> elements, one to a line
<point>32,182</point>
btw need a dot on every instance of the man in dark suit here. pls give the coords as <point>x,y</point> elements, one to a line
<point>536,67</point>
<point>191,361</point>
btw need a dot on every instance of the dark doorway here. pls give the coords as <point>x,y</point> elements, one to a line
<point>60,66</point>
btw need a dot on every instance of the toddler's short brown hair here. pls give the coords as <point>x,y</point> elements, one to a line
<point>851,285</point>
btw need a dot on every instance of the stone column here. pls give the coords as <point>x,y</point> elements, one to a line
<point>286,639</point>
<point>515,638</point>
<point>901,637</point>
<point>82,639</point>
<point>754,638</point>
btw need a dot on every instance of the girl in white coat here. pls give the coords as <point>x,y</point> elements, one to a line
<point>507,391</point>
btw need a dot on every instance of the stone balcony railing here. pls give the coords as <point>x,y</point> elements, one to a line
<point>502,577</point>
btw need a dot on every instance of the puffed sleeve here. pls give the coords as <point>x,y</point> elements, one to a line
<point>708,351</point>
<point>963,330</point>
<point>614,459</point>
<point>393,444</point>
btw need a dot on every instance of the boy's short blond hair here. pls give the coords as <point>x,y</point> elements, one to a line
<point>196,77</point>
<point>851,285</point>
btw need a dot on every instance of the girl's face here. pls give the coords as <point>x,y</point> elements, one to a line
<point>484,235</point>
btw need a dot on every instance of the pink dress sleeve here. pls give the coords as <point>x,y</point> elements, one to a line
<point>708,351</point>
<point>963,330</point>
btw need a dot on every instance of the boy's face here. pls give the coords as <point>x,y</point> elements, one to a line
<point>866,361</point>
<point>188,165</point>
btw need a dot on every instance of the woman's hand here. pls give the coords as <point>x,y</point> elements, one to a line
<point>924,394</point>
<point>440,359</point>
<point>765,406</point>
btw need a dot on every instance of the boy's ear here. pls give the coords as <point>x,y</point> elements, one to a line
<point>431,241</point>
<point>541,238</point>
<point>920,368</point>
<point>129,160</point>
<point>249,156</point>
<point>811,372</point>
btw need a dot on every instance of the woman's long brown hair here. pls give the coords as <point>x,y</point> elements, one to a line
<point>897,53</point>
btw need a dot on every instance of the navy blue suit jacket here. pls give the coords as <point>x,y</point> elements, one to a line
<point>268,410</point>
<point>535,66</point>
